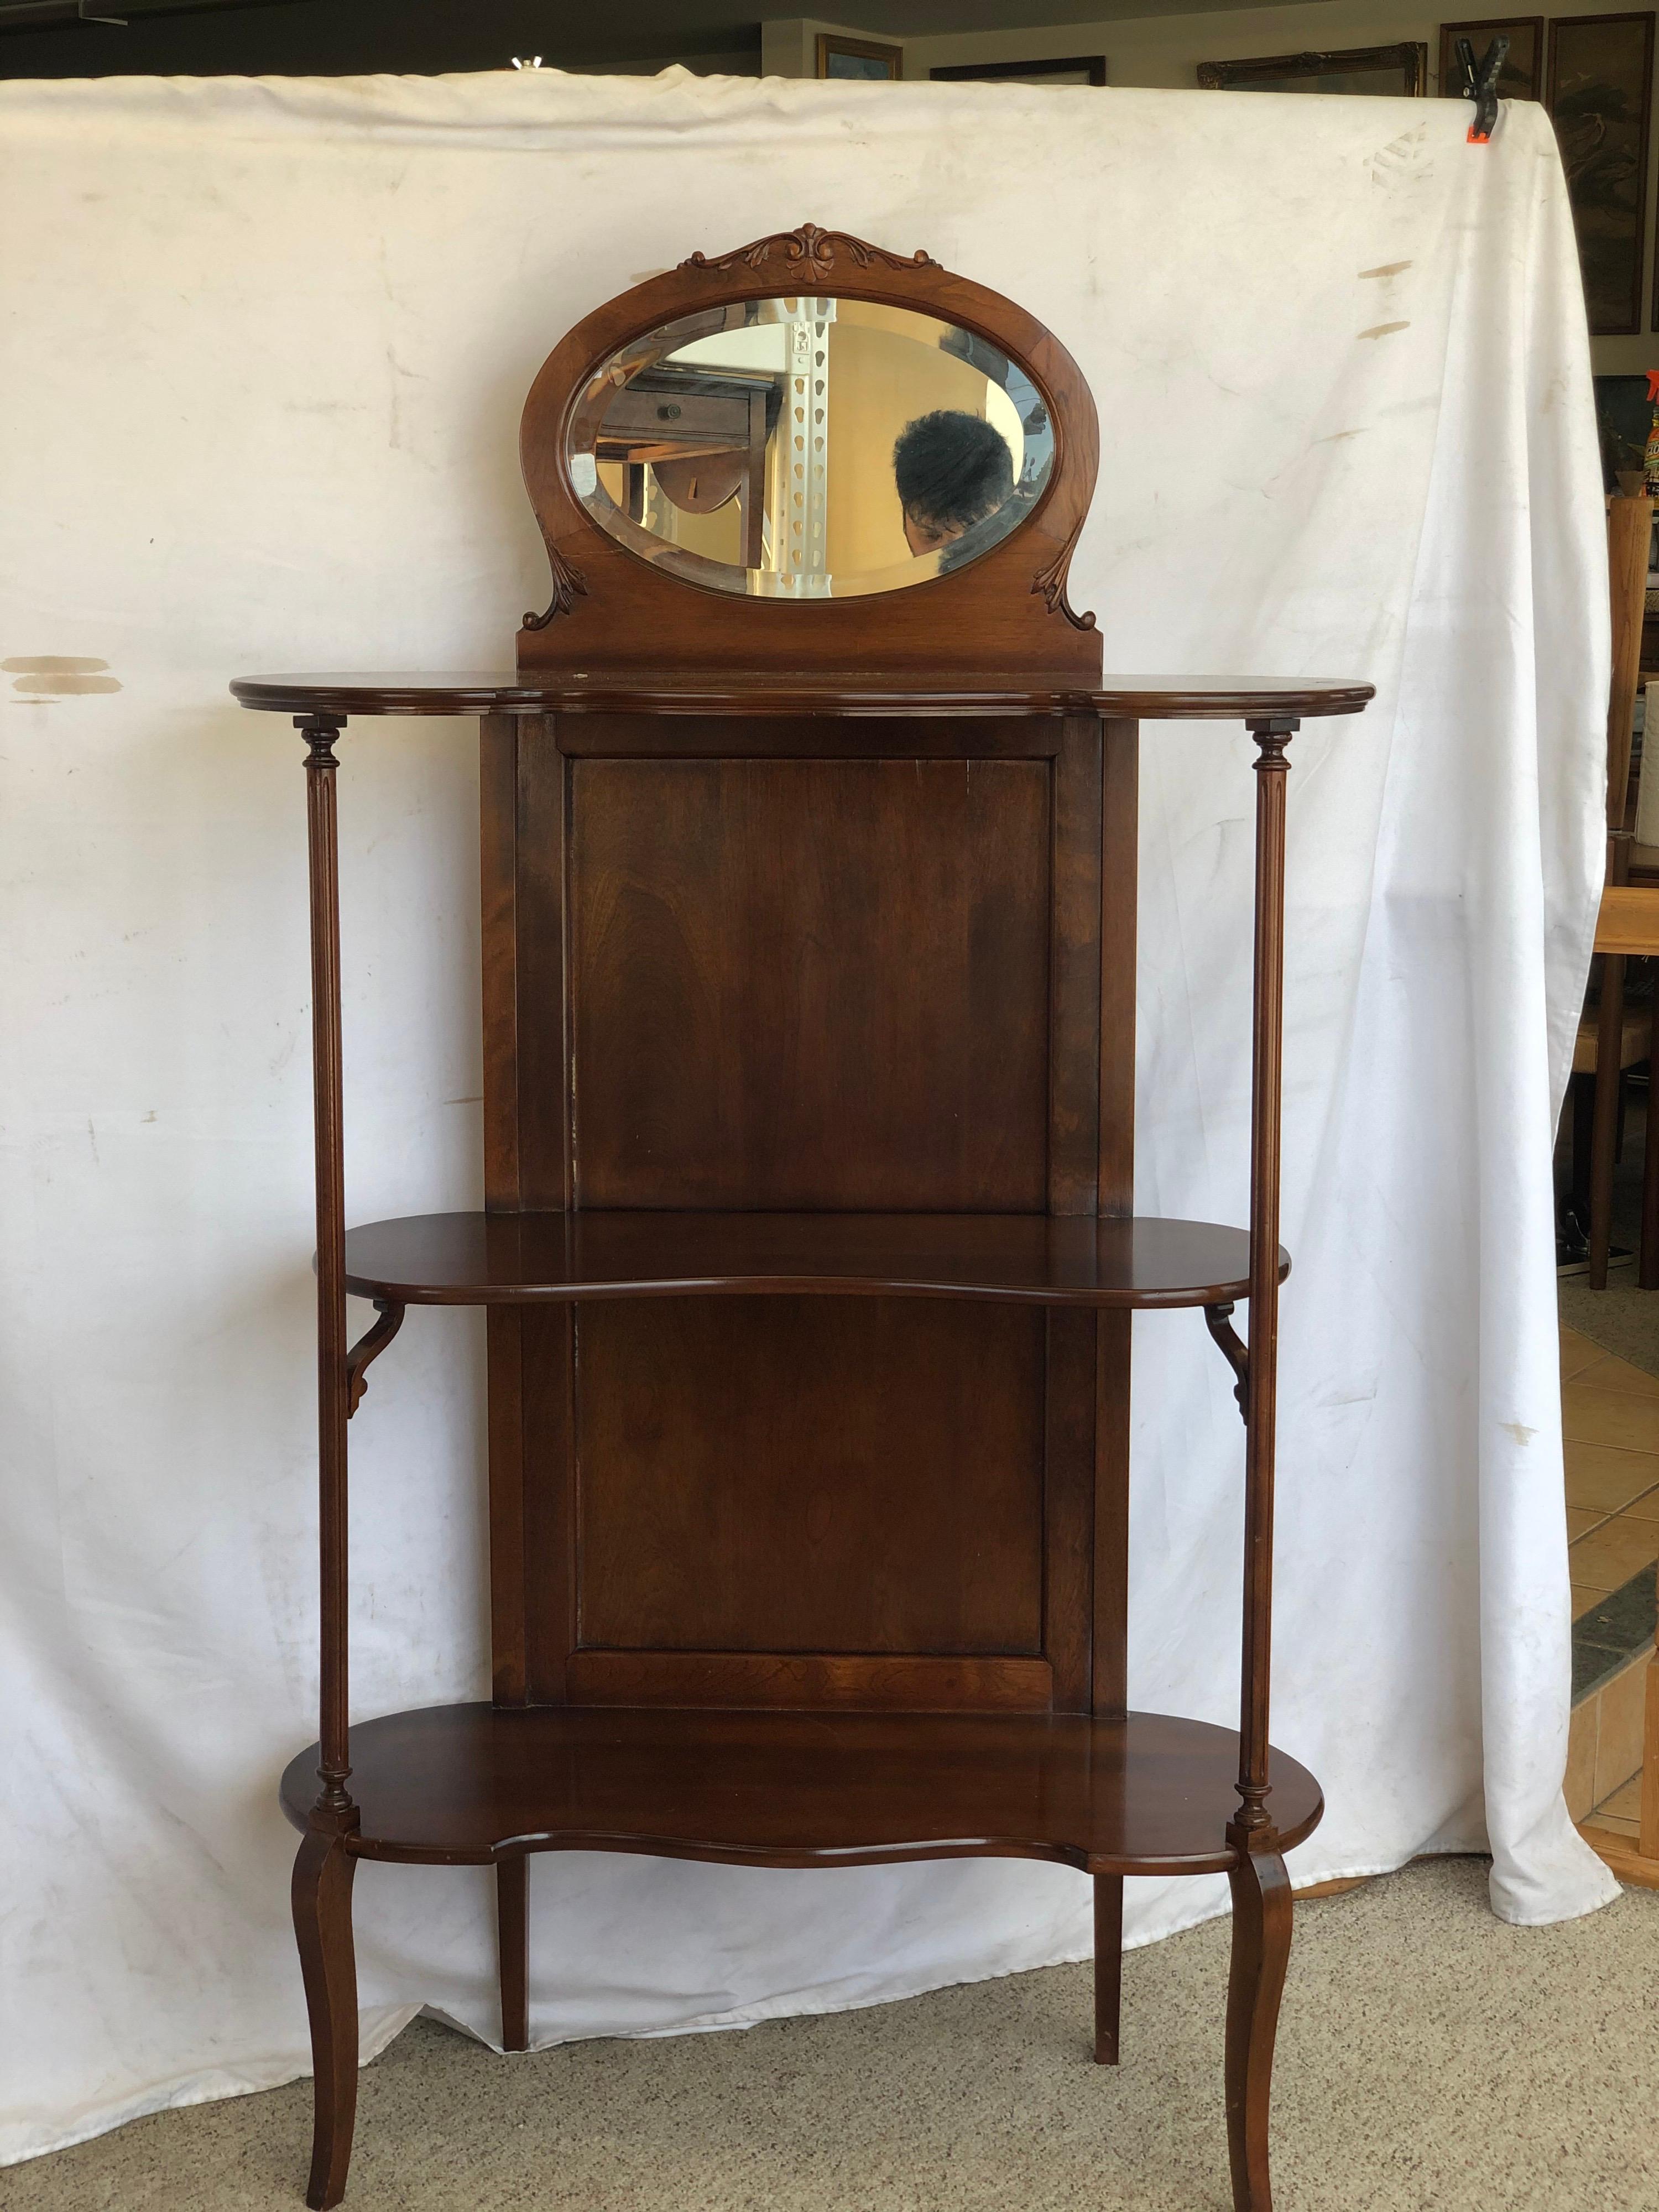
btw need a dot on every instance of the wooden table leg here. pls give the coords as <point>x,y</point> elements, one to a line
<point>322,1928</point>
<point>1261,1951</point>
<point>1108,1966</point>
<point>512,1934</point>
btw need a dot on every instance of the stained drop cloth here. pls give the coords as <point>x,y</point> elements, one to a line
<point>265,344</point>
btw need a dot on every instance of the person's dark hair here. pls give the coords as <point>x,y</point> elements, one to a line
<point>952,468</point>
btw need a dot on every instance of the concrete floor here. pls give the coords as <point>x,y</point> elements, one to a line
<point>1429,2056</point>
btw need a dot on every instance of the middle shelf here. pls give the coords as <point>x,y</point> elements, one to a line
<point>1041,1259</point>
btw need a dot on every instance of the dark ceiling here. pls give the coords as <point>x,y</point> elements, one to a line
<point>287,38</point>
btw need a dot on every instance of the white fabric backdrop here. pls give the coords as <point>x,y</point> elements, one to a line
<point>265,347</point>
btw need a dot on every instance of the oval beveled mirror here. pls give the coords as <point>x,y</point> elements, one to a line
<point>809,448</point>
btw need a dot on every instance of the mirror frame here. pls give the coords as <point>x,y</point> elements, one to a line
<point>1005,613</point>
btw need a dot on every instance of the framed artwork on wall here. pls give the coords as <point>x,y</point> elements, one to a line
<point>1079,69</point>
<point>872,60</point>
<point>1522,77</point>
<point>1599,93</point>
<point>1381,69</point>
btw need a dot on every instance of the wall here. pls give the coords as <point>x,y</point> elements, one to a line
<point>1164,51</point>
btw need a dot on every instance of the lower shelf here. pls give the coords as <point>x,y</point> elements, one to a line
<point>464,1784</point>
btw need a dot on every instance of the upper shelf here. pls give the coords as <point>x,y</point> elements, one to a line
<point>659,691</point>
<point>518,1259</point>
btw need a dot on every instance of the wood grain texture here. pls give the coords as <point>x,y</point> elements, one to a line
<point>512,1949</point>
<point>1074,1030</point>
<point>742,1035</point>
<point>551,1564</point>
<point>857,688</point>
<point>808,1476</point>
<point>333,1378</point>
<point>525,1259</point>
<point>456,1784</point>
<point>498,802</point>
<point>321,1893</point>
<point>1120,890</point>
<point>1262,1397</point>
<point>504,1351</point>
<point>1006,610</point>
<point>811,1682</point>
<point>543,1071</point>
<point>1109,1968</point>
<point>1263,1912</point>
<point>1068,1509</point>
<point>1110,1626</point>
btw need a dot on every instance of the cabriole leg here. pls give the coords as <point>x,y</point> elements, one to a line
<point>1108,1966</point>
<point>513,1931</point>
<point>322,1926</point>
<point>1261,1950</point>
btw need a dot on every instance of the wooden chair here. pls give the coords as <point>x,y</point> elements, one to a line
<point>1602,1037</point>
<point>1628,926</point>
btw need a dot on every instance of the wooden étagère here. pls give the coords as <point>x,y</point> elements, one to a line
<point>808,1249</point>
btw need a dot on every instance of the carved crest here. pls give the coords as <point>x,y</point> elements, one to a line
<point>567,583</point>
<point>1051,582</point>
<point>810,251</point>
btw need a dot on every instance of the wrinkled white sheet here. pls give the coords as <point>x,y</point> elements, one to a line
<point>265,345</point>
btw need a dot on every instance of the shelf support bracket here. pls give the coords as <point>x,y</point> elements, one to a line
<point>1218,1320</point>
<point>368,1349</point>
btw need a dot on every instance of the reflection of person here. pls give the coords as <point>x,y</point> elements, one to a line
<point>951,469</point>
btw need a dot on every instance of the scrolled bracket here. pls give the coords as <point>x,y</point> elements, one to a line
<point>1050,581</point>
<point>568,584</point>
<point>368,1349</point>
<point>1218,1320</point>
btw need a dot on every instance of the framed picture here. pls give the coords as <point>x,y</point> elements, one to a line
<point>872,60</point>
<point>1081,68</point>
<point>1395,70</point>
<point>1599,91</point>
<point>1522,77</point>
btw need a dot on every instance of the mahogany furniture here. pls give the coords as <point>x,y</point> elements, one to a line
<point>808,1247</point>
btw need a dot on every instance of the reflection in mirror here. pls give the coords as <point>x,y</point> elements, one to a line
<point>809,448</point>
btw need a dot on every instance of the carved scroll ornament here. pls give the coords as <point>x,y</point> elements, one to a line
<point>810,251</point>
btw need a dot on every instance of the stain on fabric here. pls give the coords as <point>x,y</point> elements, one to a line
<point>1383,330</point>
<point>1387,268</point>
<point>53,675</point>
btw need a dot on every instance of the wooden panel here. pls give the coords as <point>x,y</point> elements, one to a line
<point>1111,1582</point>
<point>507,1506</point>
<point>1119,798</point>
<point>810,1475</point>
<point>731,735</point>
<point>549,1520</point>
<point>1069,1508</point>
<point>826,1683</point>
<point>1074,968</point>
<point>810,983</point>
<point>498,802</point>
<point>543,1030</point>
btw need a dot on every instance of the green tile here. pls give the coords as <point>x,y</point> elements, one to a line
<point>1610,1634</point>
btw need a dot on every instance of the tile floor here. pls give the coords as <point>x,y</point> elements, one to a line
<point>1610,1420</point>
